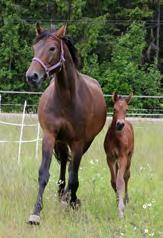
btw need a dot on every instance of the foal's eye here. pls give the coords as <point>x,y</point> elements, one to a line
<point>52,48</point>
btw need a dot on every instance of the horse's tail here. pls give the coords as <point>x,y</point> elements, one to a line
<point>61,152</point>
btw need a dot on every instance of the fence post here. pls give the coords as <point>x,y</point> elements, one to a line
<point>21,132</point>
<point>37,140</point>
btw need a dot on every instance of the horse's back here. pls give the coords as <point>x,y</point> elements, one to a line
<point>94,102</point>
<point>95,95</point>
<point>90,81</point>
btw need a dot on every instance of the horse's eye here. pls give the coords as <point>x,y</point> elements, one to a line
<point>52,48</point>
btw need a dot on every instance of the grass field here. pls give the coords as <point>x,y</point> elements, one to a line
<point>97,217</point>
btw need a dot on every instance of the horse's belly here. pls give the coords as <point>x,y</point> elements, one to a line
<point>97,119</point>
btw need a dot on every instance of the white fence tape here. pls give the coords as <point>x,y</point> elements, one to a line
<point>21,141</point>
<point>16,124</point>
<point>18,141</point>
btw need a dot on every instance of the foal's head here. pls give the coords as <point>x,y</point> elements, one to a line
<point>48,54</point>
<point>120,110</point>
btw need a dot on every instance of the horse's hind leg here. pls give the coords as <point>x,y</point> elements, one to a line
<point>120,185</point>
<point>73,181</point>
<point>47,150</point>
<point>62,154</point>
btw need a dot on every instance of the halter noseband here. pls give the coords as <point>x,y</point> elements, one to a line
<point>49,69</point>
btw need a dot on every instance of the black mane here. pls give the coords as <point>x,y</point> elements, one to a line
<point>68,41</point>
<point>73,51</point>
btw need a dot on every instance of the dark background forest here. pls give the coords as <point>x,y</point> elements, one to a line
<point>119,42</point>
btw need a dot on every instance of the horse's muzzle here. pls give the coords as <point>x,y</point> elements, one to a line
<point>119,125</point>
<point>33,79</point>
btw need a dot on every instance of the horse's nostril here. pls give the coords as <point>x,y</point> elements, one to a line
<point>28,78</point>
<point>119,125</point>
<point>35,77</point>
<point>32,78</point>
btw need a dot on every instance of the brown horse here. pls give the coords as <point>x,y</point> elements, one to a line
<point>119,145</point>
<point>72,111</point>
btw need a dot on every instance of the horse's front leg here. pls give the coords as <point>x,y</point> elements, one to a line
<point>73,181</point>
<point>47,150</point>
<point>120,184</point>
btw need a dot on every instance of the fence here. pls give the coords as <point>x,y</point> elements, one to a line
<point>153,108</point>
<point>21,141</point>
<point>38,139</point>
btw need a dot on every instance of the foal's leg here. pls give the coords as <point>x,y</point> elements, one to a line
<point>120,185</point>
<point>111,165</point>
<point>62,155</point>
<point>126,178</point>
<point>47,150</point>
<point>73,181</point>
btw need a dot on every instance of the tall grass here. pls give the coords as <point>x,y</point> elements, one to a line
<point>97,217</point>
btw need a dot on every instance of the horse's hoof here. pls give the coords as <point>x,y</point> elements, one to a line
<point>64,200</point>
<point>121,214</point>
<point>76,204</point>
<point>34,220</point>
<point>64,204</point>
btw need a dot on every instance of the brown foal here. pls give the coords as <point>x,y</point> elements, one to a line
<point>119,146</point>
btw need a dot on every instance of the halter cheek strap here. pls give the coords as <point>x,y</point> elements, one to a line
<point>49,69</point>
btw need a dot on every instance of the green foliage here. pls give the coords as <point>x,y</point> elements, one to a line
<point>125,73</point>
<point>109,52</point>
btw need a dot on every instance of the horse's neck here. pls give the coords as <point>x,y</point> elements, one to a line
<point>66,78</point>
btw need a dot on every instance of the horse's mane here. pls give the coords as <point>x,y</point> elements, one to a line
<point>72,49</point>
<point>68,41</point>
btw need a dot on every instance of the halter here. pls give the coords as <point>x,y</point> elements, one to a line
<point>49,69</point>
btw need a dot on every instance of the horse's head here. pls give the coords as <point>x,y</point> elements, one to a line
<point>48,55</point>
<point>120,109</point>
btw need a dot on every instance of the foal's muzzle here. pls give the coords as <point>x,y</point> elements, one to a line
<point>120,125</point>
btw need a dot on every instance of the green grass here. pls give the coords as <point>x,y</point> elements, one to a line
<point>97,217</point>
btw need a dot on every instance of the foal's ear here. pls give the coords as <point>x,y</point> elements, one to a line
<point>61,31</point>
<point>114,97</point>
<point>39,29</point>
<point>128,99</point>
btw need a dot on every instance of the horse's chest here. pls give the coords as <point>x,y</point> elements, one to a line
<point>113,151</point>
<point>70,130</point>
<point>114,146</point>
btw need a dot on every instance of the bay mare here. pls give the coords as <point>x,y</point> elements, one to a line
<point>72,111</point>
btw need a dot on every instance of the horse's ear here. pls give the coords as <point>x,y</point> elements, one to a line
<point>128,99</point>
<point>61,31</point>
<point>114,97</point>
<point>39,29</point>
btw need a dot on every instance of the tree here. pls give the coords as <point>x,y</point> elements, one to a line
<point>105,34</point>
